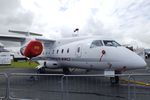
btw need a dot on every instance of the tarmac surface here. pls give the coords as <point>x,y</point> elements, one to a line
<point>32,87</point>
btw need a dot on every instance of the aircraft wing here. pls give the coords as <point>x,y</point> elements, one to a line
<point>12,38</point>
<point>22,38</point>
<point>26,33</point>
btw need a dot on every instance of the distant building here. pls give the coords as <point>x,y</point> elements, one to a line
<point>5,57</point>
<point>16,55</point>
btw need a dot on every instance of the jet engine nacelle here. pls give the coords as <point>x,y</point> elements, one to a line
<point>32,49</point>
<point>48,64</point>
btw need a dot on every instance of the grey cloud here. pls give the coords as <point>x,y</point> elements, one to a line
<point>94,26</point>
<point>13,16</point>
<point>134,20</point>
<point>65,4</point>
<point>20,18</point>
<point>66,31</point>
<point>63,8</point>
<point>9,6</point>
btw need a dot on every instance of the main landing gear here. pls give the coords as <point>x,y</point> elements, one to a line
<point>41,70</point>
<point>115,80</point>
<point>66,70</point>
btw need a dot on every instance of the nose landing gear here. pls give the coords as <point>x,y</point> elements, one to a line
<point>115,79</point>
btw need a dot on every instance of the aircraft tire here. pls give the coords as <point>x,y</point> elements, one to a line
<point>66,70</point>
<point>114,80</point>
<point>41,70</point>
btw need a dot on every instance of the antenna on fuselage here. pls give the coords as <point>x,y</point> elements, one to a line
<point>76,33</point>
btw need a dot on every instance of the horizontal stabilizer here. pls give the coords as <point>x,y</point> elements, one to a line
<point>12,38</point>
<point>26,33</point>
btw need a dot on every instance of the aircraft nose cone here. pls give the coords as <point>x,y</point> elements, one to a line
<point>141,62</point>
<point>135,60</point>
<point>130,59</point>
<point>144,63</point>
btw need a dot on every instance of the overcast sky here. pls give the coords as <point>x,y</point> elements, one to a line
<point>125,20</point>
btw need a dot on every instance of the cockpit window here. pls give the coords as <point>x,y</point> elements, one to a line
<point>111,43</point>
<point>96,43</point>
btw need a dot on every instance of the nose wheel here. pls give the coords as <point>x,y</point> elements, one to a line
<point>115,80</point>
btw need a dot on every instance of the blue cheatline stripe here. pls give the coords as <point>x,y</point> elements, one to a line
<point>74,59</point>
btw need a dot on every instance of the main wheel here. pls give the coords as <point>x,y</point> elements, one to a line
<point>66,70</point>
<point>41,70</point>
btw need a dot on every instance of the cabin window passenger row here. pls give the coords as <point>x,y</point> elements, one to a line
<point>53,51</point>
<point>62,50</point>
<point>68,50</point>
<point>78,50</point>
<point>57,51</point>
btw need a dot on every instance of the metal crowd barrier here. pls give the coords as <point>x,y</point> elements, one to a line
<point>3,86</point>
<point>93,87</point>
<point>35,86</point>
<point>97,87</point>
<point>29,86</point>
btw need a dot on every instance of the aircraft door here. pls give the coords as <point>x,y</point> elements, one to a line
<point>78,51</point>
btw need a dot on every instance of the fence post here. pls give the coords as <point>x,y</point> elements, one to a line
<point>7,87</point>
<point>129,89</point>
<point>62,87</point>
<point>67,89</point>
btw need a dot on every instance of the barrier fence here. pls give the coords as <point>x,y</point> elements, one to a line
<point>18,86</point>
<point>3,85</point>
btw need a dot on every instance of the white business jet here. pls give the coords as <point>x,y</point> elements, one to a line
<point>93,53</point>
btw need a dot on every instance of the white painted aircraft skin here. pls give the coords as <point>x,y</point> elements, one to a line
<point>95,53</point>
<point>116,57</point>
